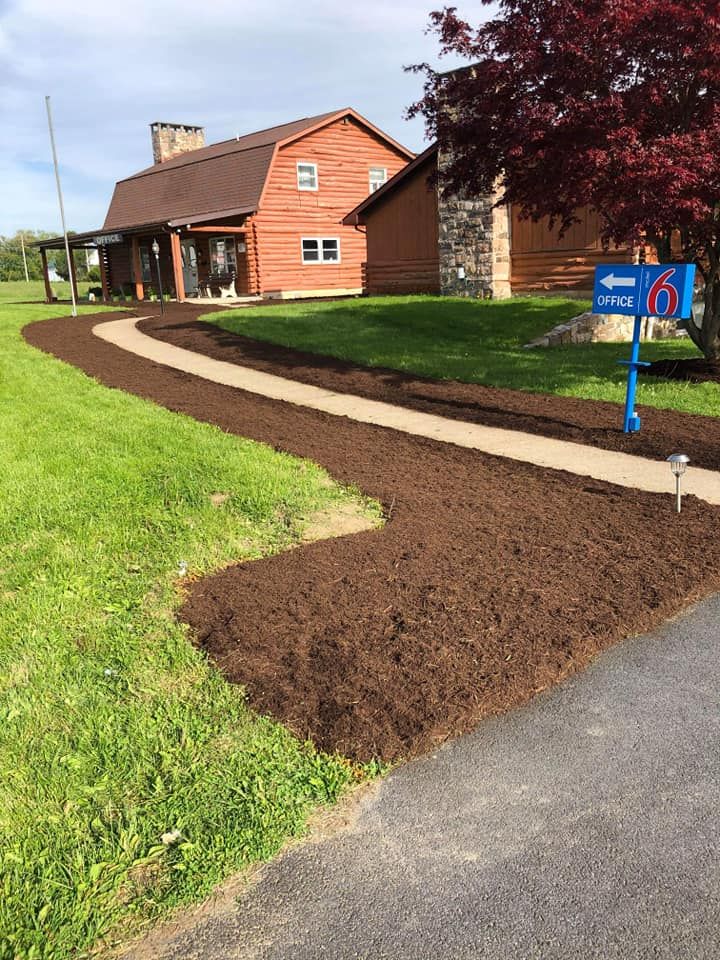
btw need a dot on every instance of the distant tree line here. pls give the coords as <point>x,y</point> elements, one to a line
<point>11,258</point>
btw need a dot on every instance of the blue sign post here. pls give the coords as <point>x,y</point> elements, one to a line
<point>642,290</point>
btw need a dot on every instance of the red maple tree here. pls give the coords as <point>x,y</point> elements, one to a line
<point>613,104</point>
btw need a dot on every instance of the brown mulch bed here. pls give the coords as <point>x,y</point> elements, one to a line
<point>491,581</point>
<point>584,421</point>
<point>693,369</point>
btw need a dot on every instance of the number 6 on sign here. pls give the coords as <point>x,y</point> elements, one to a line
<point>642,290</point>
<point>662,285</point>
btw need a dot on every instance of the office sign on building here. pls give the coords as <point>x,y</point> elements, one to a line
<point>105,239</point>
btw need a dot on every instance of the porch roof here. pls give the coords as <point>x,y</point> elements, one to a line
<point>90,237</point>
<point>87,239</point>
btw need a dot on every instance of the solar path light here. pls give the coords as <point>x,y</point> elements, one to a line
<point>678,464</point>
<point>156,251</point>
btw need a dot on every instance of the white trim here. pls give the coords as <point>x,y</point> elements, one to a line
<point>320,259</point>
<point>373,187</point>
<point>306,163</point>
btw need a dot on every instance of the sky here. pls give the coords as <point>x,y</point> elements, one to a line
<point>232,66</point>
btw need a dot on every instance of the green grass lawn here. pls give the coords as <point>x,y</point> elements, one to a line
<point>114,730</point>
<point>471,340</point>
<point>17,291</point>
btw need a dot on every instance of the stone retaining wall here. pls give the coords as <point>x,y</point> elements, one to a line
<point>605,328</point>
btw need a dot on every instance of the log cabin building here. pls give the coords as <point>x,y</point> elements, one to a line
<point>421,242</point>
<point>256,216</point>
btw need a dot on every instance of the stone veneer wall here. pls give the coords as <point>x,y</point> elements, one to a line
<point>605,328</point>
<point>501,251</point>
<point>474,237</point>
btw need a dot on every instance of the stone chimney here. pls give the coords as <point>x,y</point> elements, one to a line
<point>171,139</point>
<point>474,244</point>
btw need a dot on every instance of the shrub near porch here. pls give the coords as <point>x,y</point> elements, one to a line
<point>477,341</point>
<point>115,731</point>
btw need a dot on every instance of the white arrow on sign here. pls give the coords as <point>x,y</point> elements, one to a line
<point>611,281</point>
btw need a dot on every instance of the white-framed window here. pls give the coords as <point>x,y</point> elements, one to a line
<point>307,176</point>
<point>320,250</point>
<point>378,176</point>
<point>223,258</point>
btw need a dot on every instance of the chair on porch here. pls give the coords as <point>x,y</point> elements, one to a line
<point>223,282</point>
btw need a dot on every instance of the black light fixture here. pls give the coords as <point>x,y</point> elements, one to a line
<point>156,251</point>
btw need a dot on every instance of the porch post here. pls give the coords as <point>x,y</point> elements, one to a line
<point>46,276</point>
<point>73,274</point>
<point>104,267</point>
<point>177,266</point>
<point>137,270</point>
<point>251,256</point>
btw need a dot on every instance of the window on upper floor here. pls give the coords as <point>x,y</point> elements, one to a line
<point>307,176</point>
<point>320,250</point>
<point>378,176</point>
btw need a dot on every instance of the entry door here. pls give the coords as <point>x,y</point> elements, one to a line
<point>189,265</point>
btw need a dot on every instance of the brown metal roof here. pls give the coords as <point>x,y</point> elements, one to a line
<point>262,138</point>
<point>189,190</point>
<point>354,217</point>
<point>200,183</point>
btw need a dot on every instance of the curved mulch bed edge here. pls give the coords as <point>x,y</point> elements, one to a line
<point>491,581</point>
<point>692,369</point>
<point>591,422</point>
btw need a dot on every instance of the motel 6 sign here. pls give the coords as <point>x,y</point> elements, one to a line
<point>642,290</point>
<point>645,290</point>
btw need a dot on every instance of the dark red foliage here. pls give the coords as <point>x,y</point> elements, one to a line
<point>609,103</point>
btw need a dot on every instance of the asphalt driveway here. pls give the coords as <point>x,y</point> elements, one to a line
<point>584,825</point>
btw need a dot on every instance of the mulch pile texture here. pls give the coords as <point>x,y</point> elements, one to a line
<point>595,423</point>
<point>692,369</point>
<point>491,580</point>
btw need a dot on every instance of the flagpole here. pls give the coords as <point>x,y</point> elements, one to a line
<point>22,247</point>
<point>73,292</point>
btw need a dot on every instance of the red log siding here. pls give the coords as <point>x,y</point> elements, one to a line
<point>252,259</point>
<point>543,261</point>
<point>402,237</point>
<point>403,276</point>
<point>344,153</point>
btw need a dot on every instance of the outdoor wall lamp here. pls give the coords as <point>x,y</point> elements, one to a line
<point>678,464</point>
<point>156,251</point>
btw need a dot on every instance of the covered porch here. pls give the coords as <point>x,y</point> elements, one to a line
<point>213,260</point>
